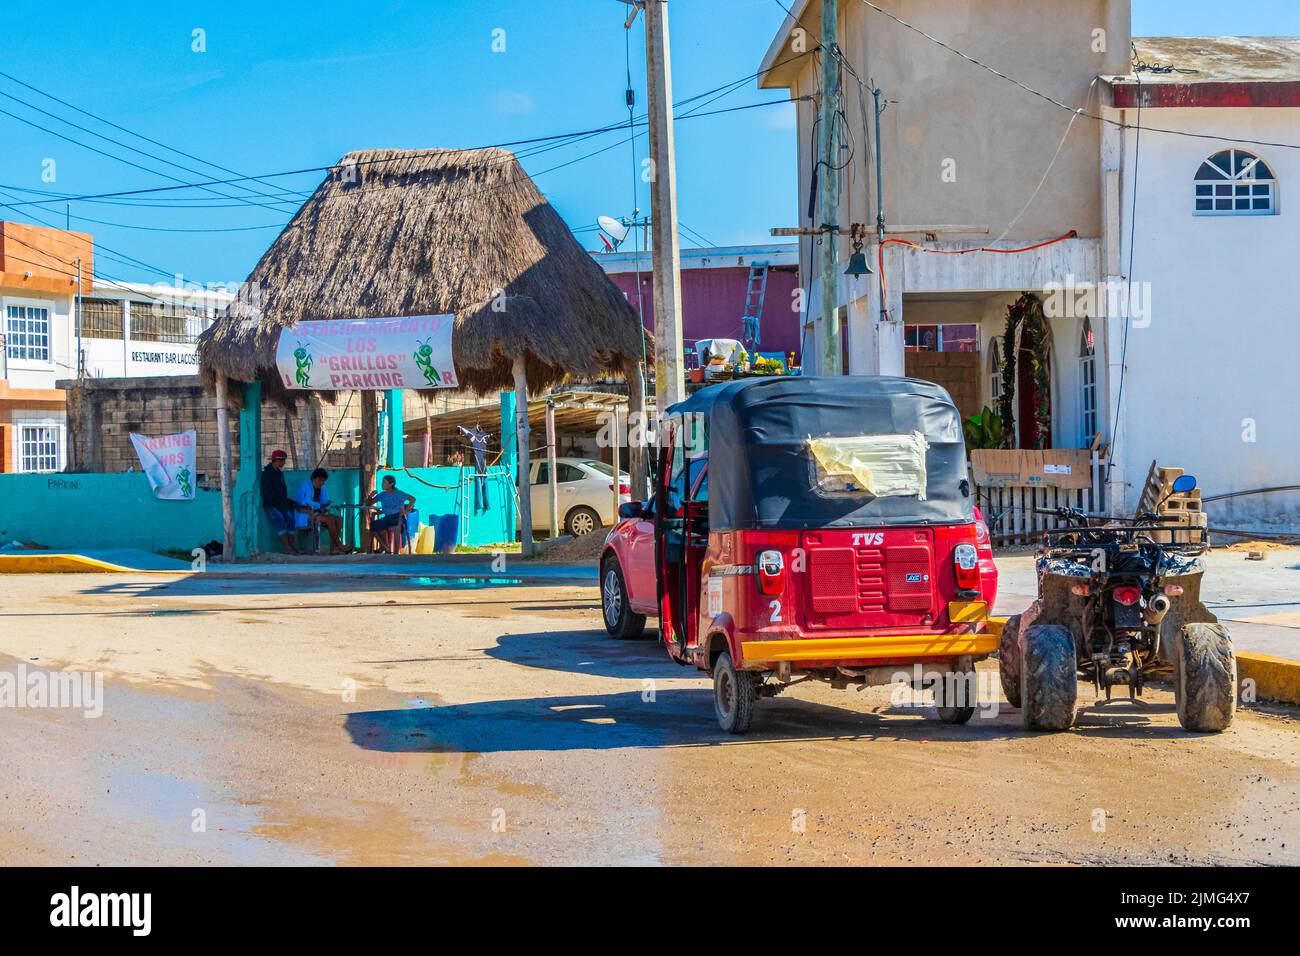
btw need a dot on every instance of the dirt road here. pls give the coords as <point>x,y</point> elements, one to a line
<point>273,720</point>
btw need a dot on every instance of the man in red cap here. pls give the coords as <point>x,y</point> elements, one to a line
<point>275,499</point>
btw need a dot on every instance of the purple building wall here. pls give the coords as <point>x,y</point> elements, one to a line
<point>713,301</point>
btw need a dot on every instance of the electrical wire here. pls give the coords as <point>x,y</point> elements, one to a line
<point>130,132</point>
<point>1128,305</point>
<point>335,166</point>
<point>1057,103</point>
<point>115,142</point>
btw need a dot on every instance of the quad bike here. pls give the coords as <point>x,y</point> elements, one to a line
<point>1118,604</point>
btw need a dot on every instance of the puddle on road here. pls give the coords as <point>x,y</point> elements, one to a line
<point>468,584</point>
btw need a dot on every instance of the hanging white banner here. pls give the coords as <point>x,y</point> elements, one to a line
<point>168,463</point>
<point>412,351</point>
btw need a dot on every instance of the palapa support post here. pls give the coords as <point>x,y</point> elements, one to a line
<point>614,467</point>
<point>526,547</point>
<point>369,453</point>
<point>638,429</point>
<point>225,457</point>
<point>552,482</point>
<point>395,429</point>
<point>248,512</point>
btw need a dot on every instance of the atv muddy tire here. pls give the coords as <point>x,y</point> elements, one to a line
<point>1205,677</point>
<point>734,695</point>
<point>1009,659</point>
<point>1049,687</point>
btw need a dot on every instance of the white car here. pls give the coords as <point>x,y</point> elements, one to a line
<point>584,491</point>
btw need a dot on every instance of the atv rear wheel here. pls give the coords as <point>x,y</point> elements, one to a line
<point>1009,659</point>
<point>734,694</point>
<point>1049,686</point>
<point>1205,677</point>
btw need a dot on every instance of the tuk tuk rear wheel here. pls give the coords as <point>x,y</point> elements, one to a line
<point>621,622</point>
<point>959,683</point>
<point>734,695</point>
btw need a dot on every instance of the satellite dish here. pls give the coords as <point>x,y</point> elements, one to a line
<point>616,230</point>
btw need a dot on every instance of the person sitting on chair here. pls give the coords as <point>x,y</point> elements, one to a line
<point>313,495</point>
<point>275,499</point>
<point>394,506</point>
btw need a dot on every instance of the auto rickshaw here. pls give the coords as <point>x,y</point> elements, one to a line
<point>819,528</point>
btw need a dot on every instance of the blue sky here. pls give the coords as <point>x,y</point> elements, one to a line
<point>286,85</point>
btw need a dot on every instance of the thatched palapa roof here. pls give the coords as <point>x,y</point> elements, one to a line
<point>429,232</point>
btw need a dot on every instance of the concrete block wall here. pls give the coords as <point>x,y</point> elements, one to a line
<point>958,372</point>
<point>103,412</point>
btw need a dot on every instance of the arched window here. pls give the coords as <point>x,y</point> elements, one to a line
<point>1235,183</point>
<point>995,371</point>
<point>1087,385</point>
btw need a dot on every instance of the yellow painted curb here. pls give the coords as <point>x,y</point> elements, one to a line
<point>31,563</point>
<point>1275,678</point>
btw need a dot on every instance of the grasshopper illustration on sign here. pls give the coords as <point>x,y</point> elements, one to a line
<point>183,480</point>
<point>421,356</point>
<point>303,362</point>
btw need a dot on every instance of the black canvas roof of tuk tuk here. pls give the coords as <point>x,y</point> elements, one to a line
<point>761,471</point>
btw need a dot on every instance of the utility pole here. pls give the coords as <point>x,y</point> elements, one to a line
<point>828,155</point>
<point>670,384</point>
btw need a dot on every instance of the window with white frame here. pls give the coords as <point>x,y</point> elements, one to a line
<point>27,332</point>
<point>995,371</point>
<point>1087,385</point>
<point>1234,182</point>
<point>40,447</point>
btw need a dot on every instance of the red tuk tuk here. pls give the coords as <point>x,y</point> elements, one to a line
<point>819,528</point>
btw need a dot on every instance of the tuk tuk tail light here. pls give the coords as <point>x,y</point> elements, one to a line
<point>771,572</point>
<point>965,560</point>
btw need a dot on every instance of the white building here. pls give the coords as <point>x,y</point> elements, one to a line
<point>972,160</point>
<point>125,329</point>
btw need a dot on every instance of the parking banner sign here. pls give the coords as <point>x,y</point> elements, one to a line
<point>168,463</point>
<point>412,351</point>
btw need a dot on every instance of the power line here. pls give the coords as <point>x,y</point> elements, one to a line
<point>128,225</point>
<point>1128,292</point>
<point>1057,103</point>
<point>109,139</point>
<point>117,126</point>
<point>317,169</point>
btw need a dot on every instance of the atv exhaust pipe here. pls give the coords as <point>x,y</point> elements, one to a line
<point>1158,608</point>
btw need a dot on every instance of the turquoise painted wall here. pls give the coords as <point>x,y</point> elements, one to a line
<point>454,496</point>
<point>120,511</point>
<point>104,511</point>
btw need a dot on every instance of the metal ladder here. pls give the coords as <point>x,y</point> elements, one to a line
<point>755,293</point>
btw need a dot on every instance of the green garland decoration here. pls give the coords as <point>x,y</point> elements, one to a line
<point>1026,313</point>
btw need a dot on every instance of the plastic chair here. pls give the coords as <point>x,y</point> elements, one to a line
<point>400,535</point>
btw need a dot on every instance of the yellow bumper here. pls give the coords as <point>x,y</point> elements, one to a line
<point>868,648</point>
<point>981,639</point>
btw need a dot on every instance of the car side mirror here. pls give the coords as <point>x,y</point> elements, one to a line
<point>631,509</point>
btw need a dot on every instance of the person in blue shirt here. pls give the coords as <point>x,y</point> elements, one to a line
<point>313,496</point>
<point>394,506</point>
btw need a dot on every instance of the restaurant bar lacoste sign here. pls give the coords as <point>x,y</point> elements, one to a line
<point>411,351</point>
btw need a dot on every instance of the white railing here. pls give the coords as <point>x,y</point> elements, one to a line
<point>1012,512</point>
